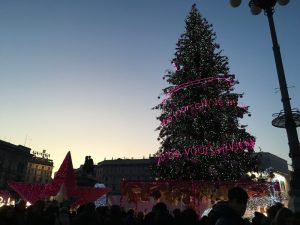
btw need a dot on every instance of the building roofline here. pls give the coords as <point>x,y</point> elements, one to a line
<point>120,161</point>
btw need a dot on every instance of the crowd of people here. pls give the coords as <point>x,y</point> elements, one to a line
<point>223,213</point>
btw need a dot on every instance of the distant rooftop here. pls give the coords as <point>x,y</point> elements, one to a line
<point>24,149</point>
<point>279,165</point>
<point>41,160</point>
<point>15,147</point>
<point>120,161</point>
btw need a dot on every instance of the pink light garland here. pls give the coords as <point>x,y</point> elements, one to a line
<point>195,82</point>
<point>198,106</point>
<point>226,148</point>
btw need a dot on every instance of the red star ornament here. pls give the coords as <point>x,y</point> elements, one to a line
<point>65,179</point>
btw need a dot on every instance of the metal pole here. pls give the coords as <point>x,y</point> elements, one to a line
<point>294,200</point>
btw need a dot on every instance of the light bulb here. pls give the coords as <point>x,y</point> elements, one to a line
<point>283,2</point>
<point>255,10</point>
<point>235,3</point>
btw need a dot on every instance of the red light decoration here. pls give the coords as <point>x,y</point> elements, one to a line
<point>190,193</point>
<point>64,177</point>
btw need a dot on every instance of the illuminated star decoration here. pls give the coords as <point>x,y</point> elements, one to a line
<point>64,183</point>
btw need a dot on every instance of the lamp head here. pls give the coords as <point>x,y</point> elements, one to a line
<point>235,3</point>
<point>283,2</point>
<point>255,9</point>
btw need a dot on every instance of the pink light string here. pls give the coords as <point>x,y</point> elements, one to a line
<point>199,106</point>
<point>195,82</point>
<point>225,148</point>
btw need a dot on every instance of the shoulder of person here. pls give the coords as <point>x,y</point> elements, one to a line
<point>228,220</point>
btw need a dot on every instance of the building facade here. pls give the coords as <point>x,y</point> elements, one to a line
<point>39,170</point>
<point>17,163</point>
<point>13,162</point>
<point>112,172</point>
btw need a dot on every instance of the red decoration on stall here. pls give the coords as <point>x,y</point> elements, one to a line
<point>64,177</point>
<point>189,192</point>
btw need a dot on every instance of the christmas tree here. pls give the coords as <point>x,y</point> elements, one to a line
<point>200,133</point>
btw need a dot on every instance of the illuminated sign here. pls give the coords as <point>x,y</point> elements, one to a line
<point>228,147</point>
<point>42,154</point>
<point>199,106</point>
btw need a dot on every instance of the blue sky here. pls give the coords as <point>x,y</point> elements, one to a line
<point>82,76</point>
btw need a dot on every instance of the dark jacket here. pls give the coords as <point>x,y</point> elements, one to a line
<point>223,214</point>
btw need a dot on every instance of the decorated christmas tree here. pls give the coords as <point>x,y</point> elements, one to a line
<point>200,133</point>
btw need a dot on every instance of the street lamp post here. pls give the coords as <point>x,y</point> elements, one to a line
<point>288,119</point>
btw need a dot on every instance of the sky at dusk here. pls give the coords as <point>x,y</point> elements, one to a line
<point>82,76</point>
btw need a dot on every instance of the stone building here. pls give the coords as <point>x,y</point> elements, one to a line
<point>13,162</point>
<point>111,172</point>
<point>39,169</point>
<point>17,163</point>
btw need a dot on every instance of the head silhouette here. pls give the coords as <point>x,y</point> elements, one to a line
<point>237,199</point>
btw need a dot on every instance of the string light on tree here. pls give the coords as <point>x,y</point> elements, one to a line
<point>201,73</point>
